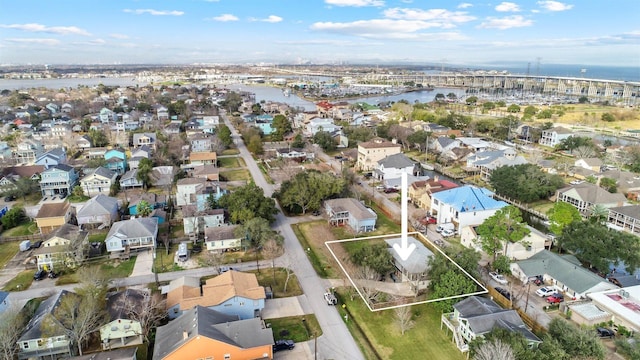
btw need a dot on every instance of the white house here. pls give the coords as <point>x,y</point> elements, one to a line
<point>464,206</point>
<point>553,137</point>
<point>137,233</point>
<point>186,190</point>
<point>99,181</point>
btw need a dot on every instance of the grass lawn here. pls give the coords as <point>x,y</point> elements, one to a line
<point>230,162</point>
<point>235,175</point>
<point>7,251</point>
<point>319,262</point>
<point>424,341</point>
<point>22,281</point>
<point>118,269</point>
<point>29,228</point>
<point>231,152</point>
<point>296,328</point>
<point>266,278</point>
<point>543,206</point>
<point>99,237</point>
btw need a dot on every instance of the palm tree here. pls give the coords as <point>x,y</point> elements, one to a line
<point>144,172</point>
<point>599,214</point>
<point>144,208</point>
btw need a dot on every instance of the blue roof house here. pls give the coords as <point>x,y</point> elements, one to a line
<point>464,206</point>
<point>263,122</point>
<point>116,161</point>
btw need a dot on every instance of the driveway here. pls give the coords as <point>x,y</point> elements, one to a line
<point>144,263</point>
<point>283,307</point>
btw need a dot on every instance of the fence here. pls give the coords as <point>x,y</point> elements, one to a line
<point>34,237</point>
<point>522,206</point>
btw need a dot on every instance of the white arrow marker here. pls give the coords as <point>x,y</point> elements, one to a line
<point>405,249</point>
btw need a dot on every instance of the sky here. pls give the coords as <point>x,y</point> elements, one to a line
<point>430,32</point>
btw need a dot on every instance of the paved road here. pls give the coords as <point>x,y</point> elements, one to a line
<point>336,341</point>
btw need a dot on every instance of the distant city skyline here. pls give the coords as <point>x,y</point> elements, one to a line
<point>320,31</point>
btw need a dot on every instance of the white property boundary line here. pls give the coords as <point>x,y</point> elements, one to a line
<point>327,243</point>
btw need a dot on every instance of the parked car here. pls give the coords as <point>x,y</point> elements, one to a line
<point>52,275</point>
<point>390,190</point>
<point>428,220</point>
<point>504,293</point>
<point>604,332</point>
<point>9,198</point>
<point>448,232</point>
<point>498,278</point>
<point>330,298</point>
<point>538,280</point>
<point>545,291</point>
<point>39,275</point>
<point>283,345</point>
<point>555,299</point>
<point>36,244</point>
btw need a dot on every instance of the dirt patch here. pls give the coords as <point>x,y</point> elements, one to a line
<point>317,234</point>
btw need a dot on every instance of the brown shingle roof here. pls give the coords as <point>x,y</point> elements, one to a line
<point>53,210</point>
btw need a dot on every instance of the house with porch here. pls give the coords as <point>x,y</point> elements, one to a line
<point>129,180</point>
<point>594,164</point>
<point>144,139</point>
<point>534,242</point>
<point>132,234</point>
<point>53,215</point>
<point>121,328</point>
<point>202,333</point>
<point>64,248</point>
<point>222,238</point>
<point>116,160</point>
<point>98,181</point>
<point>186,190</point>
<point>625,218</point>
<point>58,180</point>
<point>232,293</point>
<point>414,269</point>
<point>464,206</point>
<point>208,172</point>
<point>10,174</point>
<point>351,212</point>
<point>393,166</point>
<point>476,316</point>
<point>156,201</point>
<point>586,195</point>
<point>27,151</point>
<point>552,137</point>
<point>421,191</point>
<point>485,162</point>
<point>98,212</point>
<point>195,222</point>
<point>203,158</point>
<point>370,152</point>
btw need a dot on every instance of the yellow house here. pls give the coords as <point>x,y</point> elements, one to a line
<point>65,245</point>
<point>370,152</point>
<point>53,215</point>
<point>202,333</point>
<point>420,192</point>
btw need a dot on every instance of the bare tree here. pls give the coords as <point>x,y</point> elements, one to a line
<point>404,318</point>
<point>149,315</point>
<point>271,249</point>
<point>287,263</point>
<point>12,324</point>
<point>494,350</point>
<point>363,279</point>
<point>214,259</point>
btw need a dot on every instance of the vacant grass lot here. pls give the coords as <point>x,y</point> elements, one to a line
<point>7,251</point>
<point>275,277</point>
<point>235,175</point>
<point>230,162</point>
<point>296,328</point>
<point>230,152</point>
<point>22,281</point>
<point>28,228</point>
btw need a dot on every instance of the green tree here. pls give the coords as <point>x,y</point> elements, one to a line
<point>525,182</point>
<point>583,100</point>
<point>298,141</point>
<point>247,202</point>
<point>257,232</point>
<point>324,140</point>
<point>530,111</point>
<point>143,208</point>
<point>608,117</point>
<point>376,257</point>
<point>451,283</point>
<point>281,126</point>
<point>501,229</point>
<point>439,97</point>
<point>232,102</point>
<point>177,108</point>
<point>145,167</point>
<point>471,100</point>
<point>98,138</point>
<point>609,184</point>
<point>488,105</point>
<point>307,189</point>
<point>255,145</point>
<point>561,215</point>
<point>467,258</point>
<point>224,134</point>
<point>578,343</point>
<point>14,217</point>
<point>513,108</point>
<point>632,158</point>
<point>23,187</point>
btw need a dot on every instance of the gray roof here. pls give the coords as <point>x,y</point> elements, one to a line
<point>134,228</point>
<point>595,194</point>
<point>565,269</point>
<point>104,172</point>
<point>632,211</point>
<point>131,174</point>
<point>119,303</point>
<point>98,205</point>
<point>33,330</point>
<point>137,136</point>
<point>417,263</point>
<point>353,206</point>
<point>397,161</point>
<point>484,315</point>
<point>220,232</point>
<point>201,321</point>
<point>496,158</point>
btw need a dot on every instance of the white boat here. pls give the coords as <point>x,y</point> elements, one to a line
<point>427,166</point>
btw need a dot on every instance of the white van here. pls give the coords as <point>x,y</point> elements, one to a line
<point>443,226</point>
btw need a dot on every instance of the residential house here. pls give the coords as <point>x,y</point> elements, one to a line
<point>621,306</point>
<point>53,215</point>
<point>162,113</point>
<point>186,190</point>
<point>83,142</point>
<point>263,122</point>
<point>420,192</point>
<point>173,128</point>
<point>65,247</point>
<point>222,238</point>
<point>351,212</point>
<point>586,195</point>
<point>143,152</point>
<point>95,153</point>
<point>144,139</point>
<point>60,131</point>
<point>594,164</point>
<point>9,175</point>
<point>628,182</point>
<point>130,180</point>
<point>626,218</point>
<point>137,233</point>
<point>6,154</point>
<point>552,137</point>
<point>474,143</point>
<point>442,144</point>
<point>232,292</point>
<point>98,181</point>
<point>52,158</point>
<point>370,152</point>
<point>156,201</point>
<point>209,172</point>
<point>485,162</point>
<point>563,272</point>
<point>476,316</point>
<point>202,333</point>
<point>201,143</point>
<point>393,166</point>
<point>195,222</point>
<point>294,154</point>
<point>122,329</point>
<point>464,206</point>
<point>100,211</point>
<point>413,269</point>
<point>162,176</point>
<point>106,115</point>
<point>116,160</point>
<point>34,343</point>
<point>321,124</point>
<point>58,180</point>
<point>27,152</point>
<point>530,245</point>
<point>203,158</point>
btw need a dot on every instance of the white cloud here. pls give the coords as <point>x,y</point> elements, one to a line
<point>428,15</point>
<point>355,3</point>
<point>155,12</point>
<point>383,29</point>
<point>506,22</point>
<point>507,7</point>
<point>554,5</point>
<point>119,36</point>
<point>225,17</point>
<point>49,42</point>
<point>62,30</point>
<point>273,19</point>
<point>464,5</point>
